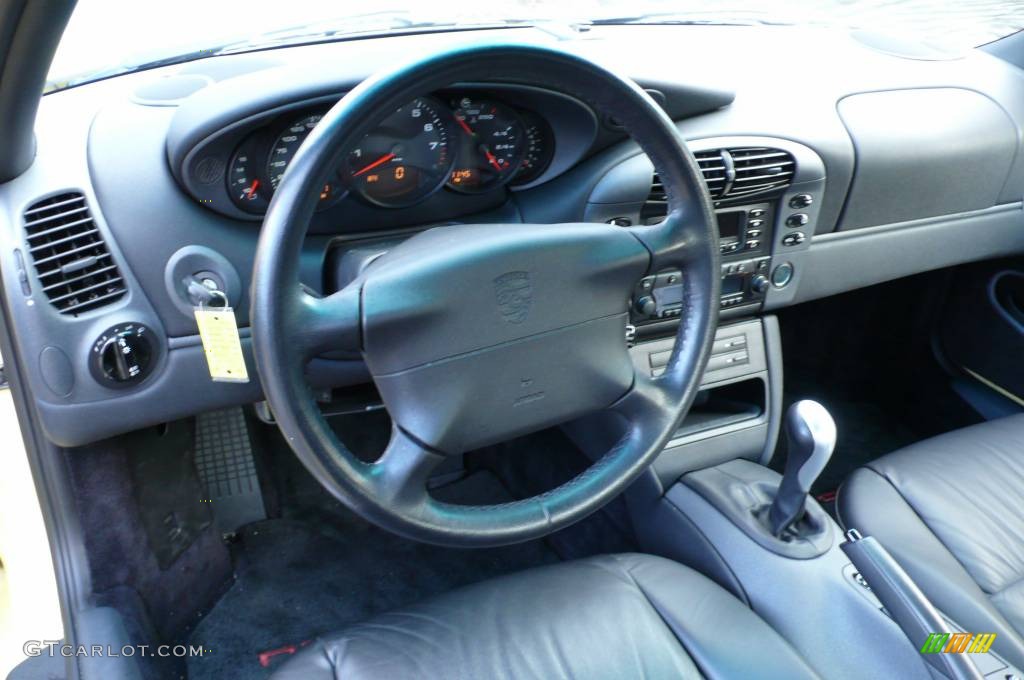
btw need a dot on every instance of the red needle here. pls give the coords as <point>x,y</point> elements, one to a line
<point>380,161</point>
<point>492,159</point>
<point>462,123</point>
<point>254,187</point>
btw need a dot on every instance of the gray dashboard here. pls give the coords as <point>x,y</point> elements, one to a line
<point>913,165</point>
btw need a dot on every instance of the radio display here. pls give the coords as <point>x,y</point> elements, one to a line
<point>732,285</point>
<point>729,224</point>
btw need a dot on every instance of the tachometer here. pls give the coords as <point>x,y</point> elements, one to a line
<point>405,159</point>
<point>283,150</point>
<point>491,141</point>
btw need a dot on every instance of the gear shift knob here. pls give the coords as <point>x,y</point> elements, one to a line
<point>811,434</point>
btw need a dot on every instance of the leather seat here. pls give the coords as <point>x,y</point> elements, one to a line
<point>614,616</point>
<point>951,511</point>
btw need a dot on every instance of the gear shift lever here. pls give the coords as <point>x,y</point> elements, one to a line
<point>811,434</point>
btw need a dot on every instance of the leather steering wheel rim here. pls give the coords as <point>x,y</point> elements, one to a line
<point>587,366</point>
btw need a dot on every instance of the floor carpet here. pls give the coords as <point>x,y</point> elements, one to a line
<point>300,577</point>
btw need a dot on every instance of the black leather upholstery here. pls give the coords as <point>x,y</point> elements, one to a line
<point>951,511</point>
<point>615,616</point>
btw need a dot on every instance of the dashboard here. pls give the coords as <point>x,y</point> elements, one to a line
<point>832,165</point>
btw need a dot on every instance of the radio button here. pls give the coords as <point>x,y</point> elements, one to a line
<point>751,245</point>
<point>754,224</point>
<point>753,233</point>
<point>756,212</point>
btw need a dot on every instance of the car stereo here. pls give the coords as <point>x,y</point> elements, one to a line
<point>744,230</point>
<point>744,235</point>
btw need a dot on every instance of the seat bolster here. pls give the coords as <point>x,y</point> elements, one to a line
<point>869,503</point>
<point>700,612</point>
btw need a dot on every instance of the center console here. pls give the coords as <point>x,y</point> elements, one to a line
<point>840,600</point>
<point>744,241</point>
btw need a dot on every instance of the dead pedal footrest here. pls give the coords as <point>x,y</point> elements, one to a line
<point>227,469</point>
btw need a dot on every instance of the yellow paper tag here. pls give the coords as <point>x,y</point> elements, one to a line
<point>219,333</point>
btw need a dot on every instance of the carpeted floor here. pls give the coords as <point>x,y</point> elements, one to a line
<point>314,572</point>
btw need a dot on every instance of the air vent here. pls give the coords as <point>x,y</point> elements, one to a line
<point>731,174</point>
<point>73,264</point>
<point>760,169</point>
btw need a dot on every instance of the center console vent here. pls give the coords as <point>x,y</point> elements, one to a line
<point>71,260</point>
<point>731,174</point>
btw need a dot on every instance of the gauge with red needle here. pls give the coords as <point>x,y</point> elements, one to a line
<point>245,186</point>
<point>405,159</point>
<point>491,140</point>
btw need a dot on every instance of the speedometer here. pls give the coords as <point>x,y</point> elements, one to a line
<point>405,159</point>
<point>283,150</point>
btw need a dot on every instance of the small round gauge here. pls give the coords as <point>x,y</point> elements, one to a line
<point>491,141</point>
<point>246,188</point>
<point>539,149</point>
<point>405,159</point>
<point>283,150</point>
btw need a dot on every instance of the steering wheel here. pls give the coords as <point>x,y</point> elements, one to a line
<point>475,334</point>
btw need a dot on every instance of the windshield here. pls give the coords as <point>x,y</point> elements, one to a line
<point>109,37</point>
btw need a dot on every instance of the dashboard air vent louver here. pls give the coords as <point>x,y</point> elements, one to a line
<point>759,169</point>
<point>71,260</point>
<point>731,174</point>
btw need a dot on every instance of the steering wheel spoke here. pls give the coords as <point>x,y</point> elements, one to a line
<point>400,476</point>
<point>649,407</point>
<point>328,323</point>
<point>672,241</point>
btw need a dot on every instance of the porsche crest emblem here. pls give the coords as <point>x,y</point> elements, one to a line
<point>514,294</point>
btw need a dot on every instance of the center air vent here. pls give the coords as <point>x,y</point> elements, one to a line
<point>731,174</point>
<point>71,260</point>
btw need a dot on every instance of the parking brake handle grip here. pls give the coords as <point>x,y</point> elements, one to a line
<point>901,597</point>
<point>811,436</point>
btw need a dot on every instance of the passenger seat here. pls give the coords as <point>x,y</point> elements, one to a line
<point>951,511</point>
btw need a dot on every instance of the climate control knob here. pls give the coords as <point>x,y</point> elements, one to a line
<point>759,283</point>
<point>122,355</point>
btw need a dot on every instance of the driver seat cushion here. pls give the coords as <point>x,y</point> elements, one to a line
<point>613,616</point>
<point>951,511</point>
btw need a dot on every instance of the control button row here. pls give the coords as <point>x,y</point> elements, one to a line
<point>726,360</point>
<point>728,344</point>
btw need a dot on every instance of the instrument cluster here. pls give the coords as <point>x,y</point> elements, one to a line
<point>466,143</point>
